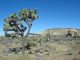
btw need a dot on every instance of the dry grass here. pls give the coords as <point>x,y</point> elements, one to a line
<point>59,50</point>
<point>17,57</point>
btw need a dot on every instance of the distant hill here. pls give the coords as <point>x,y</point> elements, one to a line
<point>60,31</point>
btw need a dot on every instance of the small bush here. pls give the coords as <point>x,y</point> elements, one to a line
<point>32,43</point>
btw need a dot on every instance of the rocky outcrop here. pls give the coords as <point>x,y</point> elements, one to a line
<point>60,31</point>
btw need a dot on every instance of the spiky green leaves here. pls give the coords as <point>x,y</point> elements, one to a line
<point>14,22</point>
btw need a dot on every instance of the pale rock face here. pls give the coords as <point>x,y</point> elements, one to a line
<point>59,31</point>
<point>56,33</point>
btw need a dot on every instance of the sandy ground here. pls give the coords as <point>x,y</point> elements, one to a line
<point>62,50</point>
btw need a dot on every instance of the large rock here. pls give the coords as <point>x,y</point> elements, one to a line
<point>60,31</point>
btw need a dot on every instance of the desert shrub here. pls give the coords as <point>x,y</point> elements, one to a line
<point>16,41</point>
<point>32,42</point>
<point>45,38</point>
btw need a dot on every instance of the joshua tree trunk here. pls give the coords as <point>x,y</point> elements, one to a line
<point>23,40</point>
<point>23,44</point>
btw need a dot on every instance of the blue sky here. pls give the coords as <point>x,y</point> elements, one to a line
<point>53,13</point>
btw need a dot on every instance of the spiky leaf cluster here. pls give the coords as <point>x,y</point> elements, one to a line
<point>14,22</point>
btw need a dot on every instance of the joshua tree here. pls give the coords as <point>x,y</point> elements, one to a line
<point>14,23</point>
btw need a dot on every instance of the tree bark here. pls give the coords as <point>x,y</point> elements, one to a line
<point>23,45</point>
<point>23,40</point>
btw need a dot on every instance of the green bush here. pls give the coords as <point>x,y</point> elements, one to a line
<point>32,43</point>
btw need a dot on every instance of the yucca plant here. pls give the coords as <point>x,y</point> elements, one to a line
<point>14,23</point>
